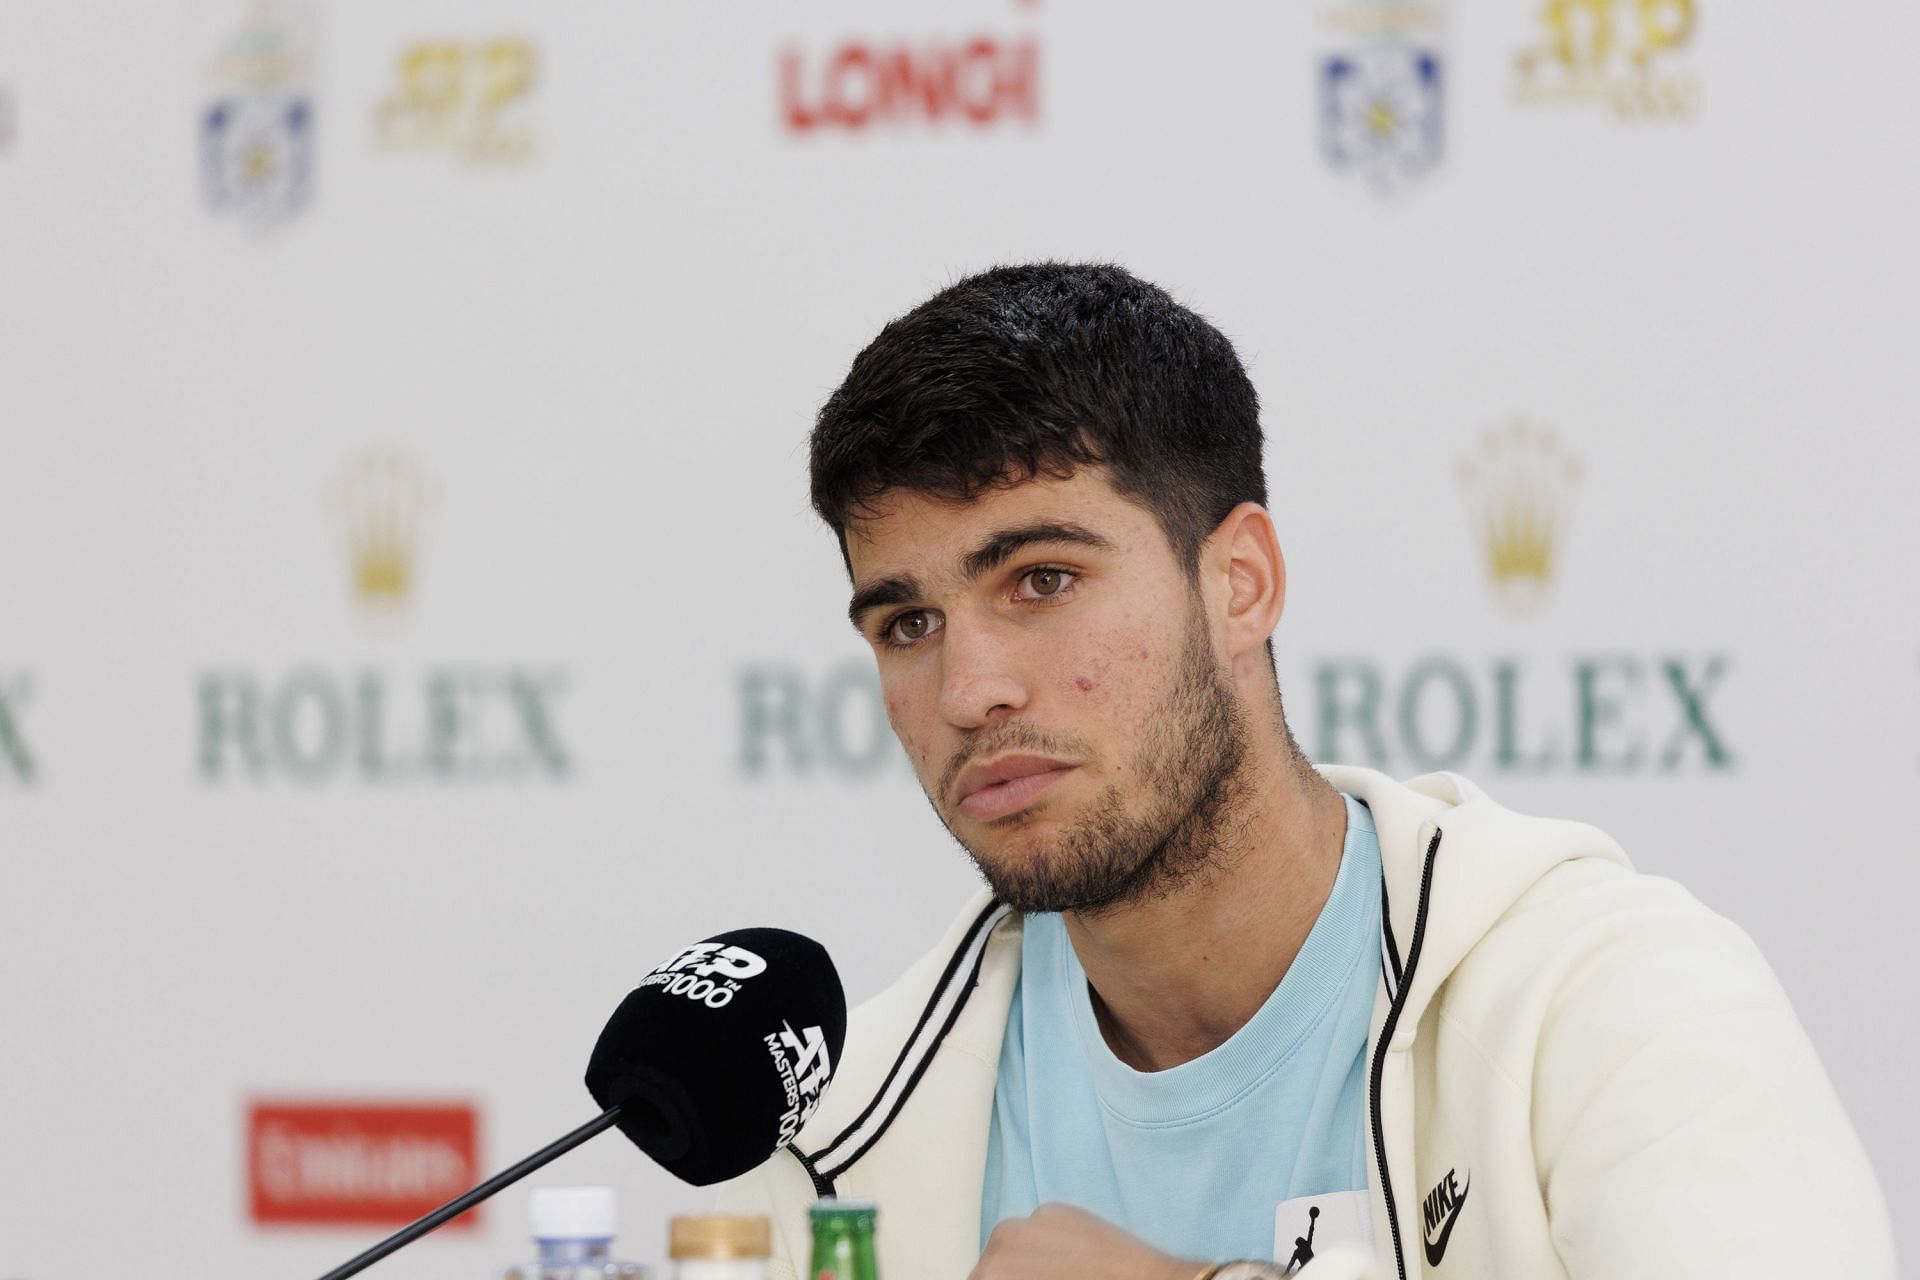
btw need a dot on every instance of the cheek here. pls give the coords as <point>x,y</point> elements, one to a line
<point>1090,674</point>
<point>900,714</point>
<point>1111,672</point>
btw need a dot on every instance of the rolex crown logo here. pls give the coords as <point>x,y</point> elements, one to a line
<point>381,499</point>
<point>1519,488</point>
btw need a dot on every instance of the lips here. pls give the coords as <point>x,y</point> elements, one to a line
<point>1007,785</point>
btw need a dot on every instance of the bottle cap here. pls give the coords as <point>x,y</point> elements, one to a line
<point>719,1236</point>
<point>572,1213</point>
<point>833,1209</point>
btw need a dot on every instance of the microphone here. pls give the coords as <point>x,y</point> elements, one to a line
<point>719,1056</point>
<point>710,1065</point>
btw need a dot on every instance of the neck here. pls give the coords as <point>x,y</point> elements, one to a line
<point>1175,976</point>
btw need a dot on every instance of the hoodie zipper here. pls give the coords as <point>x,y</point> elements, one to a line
<point>1386,1037</point>
<point>822,1186</point>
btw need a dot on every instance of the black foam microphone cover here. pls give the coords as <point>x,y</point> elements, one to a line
<point>719,1055</point>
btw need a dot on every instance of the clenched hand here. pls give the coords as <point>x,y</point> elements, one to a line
<point>1059,1241</point>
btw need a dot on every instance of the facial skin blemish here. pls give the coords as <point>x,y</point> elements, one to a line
<point>1082,683</point>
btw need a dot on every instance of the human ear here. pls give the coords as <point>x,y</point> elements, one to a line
<point>1246,552</point>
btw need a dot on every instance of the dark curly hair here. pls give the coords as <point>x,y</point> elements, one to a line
<point>1038,370</point>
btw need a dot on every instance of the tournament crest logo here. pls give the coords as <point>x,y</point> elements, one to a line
<point>256,130</point>
<point>1519,489</point>
<point>1629,55</point>
<point>469,98</point>
<point>1381,104</point>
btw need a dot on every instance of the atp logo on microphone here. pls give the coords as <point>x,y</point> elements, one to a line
<point>805,1070</point>
<point>709,972</point>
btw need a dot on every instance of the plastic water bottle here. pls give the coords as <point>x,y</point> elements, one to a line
<point>573,1233</point>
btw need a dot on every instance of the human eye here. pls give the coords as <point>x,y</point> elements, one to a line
<point>1045,582</point>
<point>904,630</point>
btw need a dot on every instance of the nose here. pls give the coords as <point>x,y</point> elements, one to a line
<point>980,678</point>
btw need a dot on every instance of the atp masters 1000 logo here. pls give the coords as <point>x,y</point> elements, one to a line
<point>1630,55</point>
<point>466,98</point>
<point>317,723</point>
<point>1509,710</point>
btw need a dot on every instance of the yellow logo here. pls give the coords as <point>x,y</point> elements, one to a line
<point>1624,53</point>
<point>1519,487</point>
<point>467,97</point>
<point>382,499</point>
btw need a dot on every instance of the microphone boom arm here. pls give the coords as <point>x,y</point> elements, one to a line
<point>466,1200</point>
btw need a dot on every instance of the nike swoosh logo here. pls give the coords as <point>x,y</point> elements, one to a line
<point>1437,1247</point>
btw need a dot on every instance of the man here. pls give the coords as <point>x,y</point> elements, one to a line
<point>1221,1012</point>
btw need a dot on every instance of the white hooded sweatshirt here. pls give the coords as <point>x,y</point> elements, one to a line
<point>1574,1071</point>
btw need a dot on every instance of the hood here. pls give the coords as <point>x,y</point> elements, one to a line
<point>1487,857</point>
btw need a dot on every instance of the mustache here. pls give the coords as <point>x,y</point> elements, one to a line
<point>1014,735</point>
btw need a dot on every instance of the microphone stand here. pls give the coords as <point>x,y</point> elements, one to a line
<point>465,1201</point>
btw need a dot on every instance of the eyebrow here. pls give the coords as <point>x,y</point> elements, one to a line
<point>877,594</point>
<point>983,559</point>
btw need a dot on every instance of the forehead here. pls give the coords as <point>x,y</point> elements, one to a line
<point>912,533</point>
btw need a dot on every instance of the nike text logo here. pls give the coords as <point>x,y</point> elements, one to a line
<point>1441,1210</point>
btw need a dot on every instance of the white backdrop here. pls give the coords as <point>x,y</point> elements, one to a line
<point>325,782</point>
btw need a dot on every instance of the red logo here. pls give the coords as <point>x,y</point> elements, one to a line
<point>372,1164</point>
<point>980,82</point>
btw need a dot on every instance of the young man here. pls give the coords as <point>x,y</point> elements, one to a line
<point>1220,1011</point>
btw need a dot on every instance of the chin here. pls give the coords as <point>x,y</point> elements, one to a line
<point>1017,847</point>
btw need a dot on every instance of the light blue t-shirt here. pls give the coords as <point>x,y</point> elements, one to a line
<point>1195,1159</point>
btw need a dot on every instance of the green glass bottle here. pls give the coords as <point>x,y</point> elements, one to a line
<point>843,1240</point>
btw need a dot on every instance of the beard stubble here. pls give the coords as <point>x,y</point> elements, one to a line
<point>1189,769</point>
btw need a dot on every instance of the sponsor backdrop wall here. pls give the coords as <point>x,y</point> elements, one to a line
<point>414,628</point>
